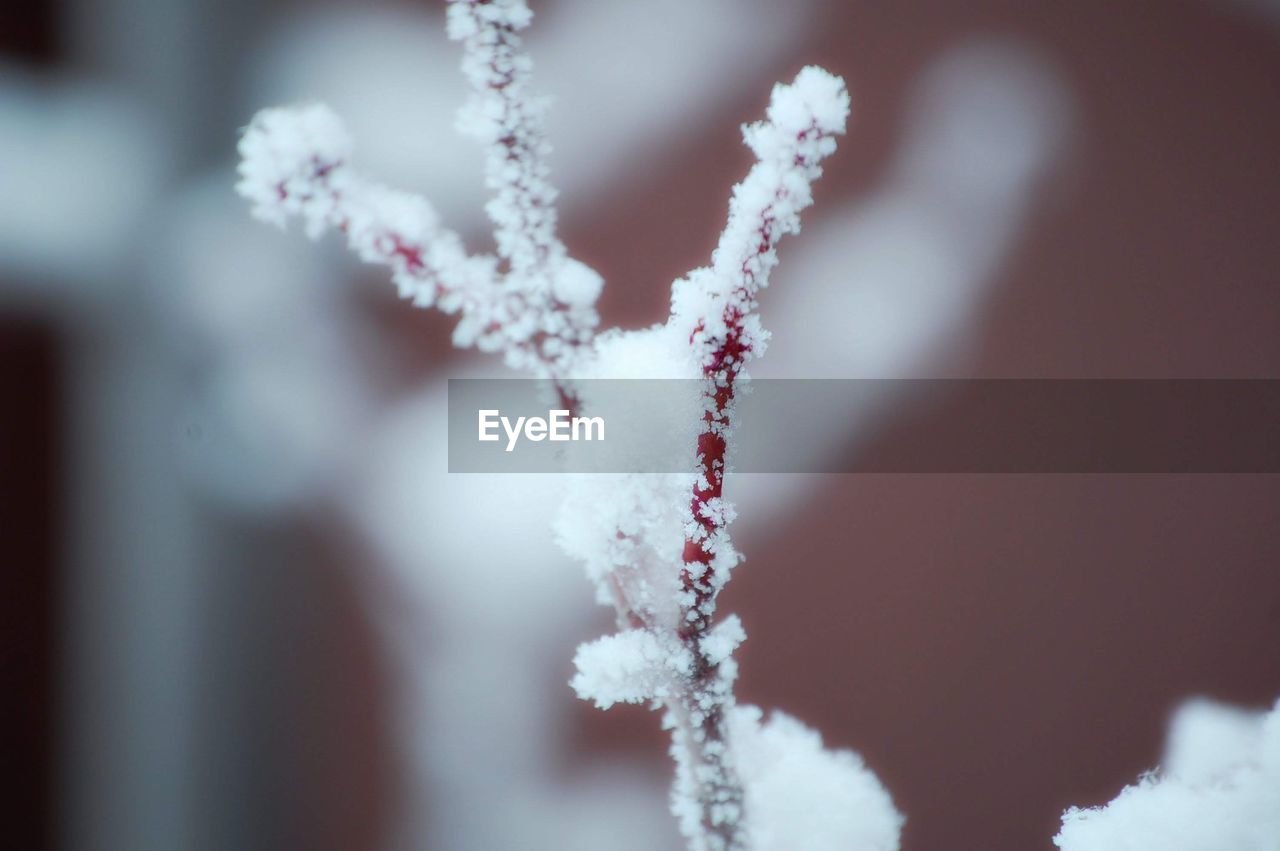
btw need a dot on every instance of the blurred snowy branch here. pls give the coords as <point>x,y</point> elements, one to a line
<point>57,137</point>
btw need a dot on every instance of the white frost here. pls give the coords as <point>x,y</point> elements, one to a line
<point>1218,790</point>
<point>628,667</point>
<point>540,309</point>
<point>802,796</point>
<point>281,153</point>
<point>536,305</point>
<point>802,120</point>
<point>723,639</point>
<point>577,284</point>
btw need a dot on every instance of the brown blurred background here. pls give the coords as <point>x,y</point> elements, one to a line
<point>997,647</point>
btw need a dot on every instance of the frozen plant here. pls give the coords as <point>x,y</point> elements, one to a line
<point>657,546</point>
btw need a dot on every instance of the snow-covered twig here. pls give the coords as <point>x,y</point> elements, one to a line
<point>716,306</point>
<point>727,793</point>
<point>659,549</point>
<point>295,162</point>
<point>507,119</point>
<point>532,302</point>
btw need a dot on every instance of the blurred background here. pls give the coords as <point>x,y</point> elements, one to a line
<point>247,608</point>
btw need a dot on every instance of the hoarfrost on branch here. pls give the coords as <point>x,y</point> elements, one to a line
<point>657,547</point>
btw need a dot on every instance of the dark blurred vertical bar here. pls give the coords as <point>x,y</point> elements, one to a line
<point>29,31</point>
<point>29,518</point>
<point>29,512</point>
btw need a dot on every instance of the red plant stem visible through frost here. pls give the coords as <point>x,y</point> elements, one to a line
<point>720,372</point>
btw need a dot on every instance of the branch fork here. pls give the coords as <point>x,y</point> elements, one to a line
<point>659,559</point>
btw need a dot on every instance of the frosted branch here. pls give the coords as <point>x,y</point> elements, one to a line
<point>713,304</point>
<point>507,119</point>
<point>657,547</point>
<point>295,164</point>
<point>532,301</point>
<point>715,307</point>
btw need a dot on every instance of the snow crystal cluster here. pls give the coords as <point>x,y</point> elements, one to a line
<point>632,666</point>
<point>801,795</point>
<point>286,157</point>
<point>656,546</point>
<point>1218,790</point>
